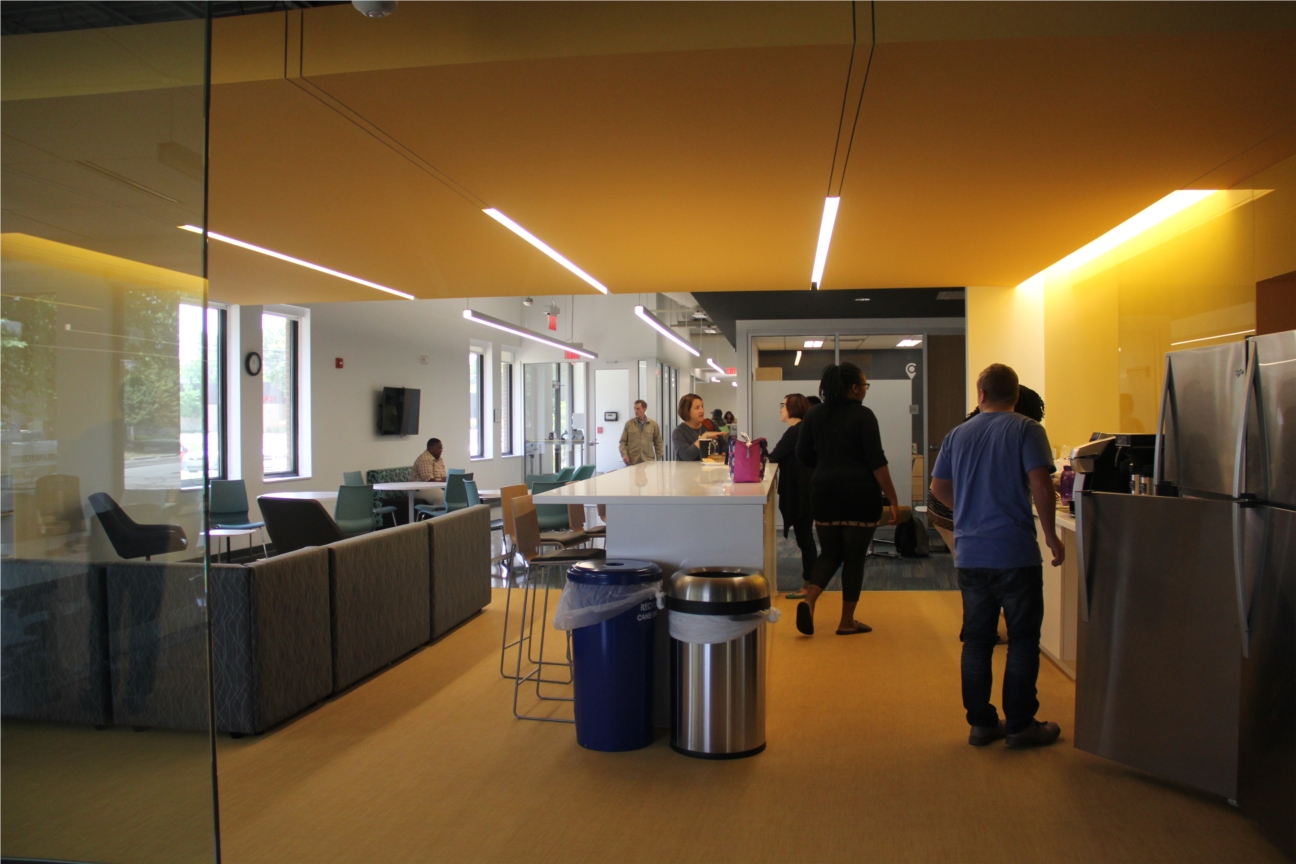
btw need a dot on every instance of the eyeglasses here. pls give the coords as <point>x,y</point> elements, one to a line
<point>782,404</point>
<point>866,386</point>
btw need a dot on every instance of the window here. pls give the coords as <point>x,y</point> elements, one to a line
<point>506,403</point>
<point>192,397</point>
<point>280,343</point>
<point>476,404</point>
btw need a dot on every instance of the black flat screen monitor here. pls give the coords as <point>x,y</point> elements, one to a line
<point>398,413</point>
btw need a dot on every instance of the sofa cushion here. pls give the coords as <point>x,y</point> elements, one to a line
<point>157,642</point>
<point>272,640</point>
<point>379,599</point>
<point>55,664</point>
<point>461,571</point>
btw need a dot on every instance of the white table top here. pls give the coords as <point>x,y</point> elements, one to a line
<point>410,486</point>
<point>315,496</point>
<point>232,532</point>
<point>663,483</point>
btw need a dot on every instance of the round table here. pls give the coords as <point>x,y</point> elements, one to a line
<point>409,488</point>
<point>227,533</point>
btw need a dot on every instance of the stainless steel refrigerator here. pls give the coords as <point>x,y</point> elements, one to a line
<point>1186,648</point>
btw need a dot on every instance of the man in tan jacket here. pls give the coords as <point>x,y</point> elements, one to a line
<point>641,441</point>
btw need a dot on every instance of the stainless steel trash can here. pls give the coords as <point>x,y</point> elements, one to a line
<point>718,687</point>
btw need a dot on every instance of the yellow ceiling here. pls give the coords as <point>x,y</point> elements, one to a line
<point>686,147</point>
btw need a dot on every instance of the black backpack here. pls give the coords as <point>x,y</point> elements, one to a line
<point>911,539</point>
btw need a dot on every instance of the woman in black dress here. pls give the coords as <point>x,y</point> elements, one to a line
<point>841,442</point>
<point>794,487</point>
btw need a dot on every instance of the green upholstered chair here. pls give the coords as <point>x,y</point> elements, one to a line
<point>356,478</point>
<point>229,508</point>
<point>456,497</point>
<point>354,511</point>
<point>470,490</point>
<point>397,500</point>
<point>566,474</point>
<point>552,517</point>
<point>584,472</point>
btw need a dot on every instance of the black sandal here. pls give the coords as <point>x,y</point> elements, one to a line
<point>859,628</point>
<point>805,619</point>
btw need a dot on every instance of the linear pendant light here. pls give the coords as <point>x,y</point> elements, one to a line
<point>716,366</point>
<point>299,262</point>
<point>825,237</point>
<point>661,328</point>
<point>543,247</point>
<point>489,321</point>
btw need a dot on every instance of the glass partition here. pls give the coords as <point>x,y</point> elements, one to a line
<point>106,412</point>
<point>554,397</point>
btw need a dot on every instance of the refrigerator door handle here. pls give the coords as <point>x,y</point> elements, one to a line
<point>1158,459</point>
<point>1239,576</point>
<point>1239,514</point>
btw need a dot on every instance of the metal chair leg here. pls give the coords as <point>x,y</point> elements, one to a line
<point>519,679</point>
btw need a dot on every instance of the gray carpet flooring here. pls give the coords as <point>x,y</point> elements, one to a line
<point>881,573</point>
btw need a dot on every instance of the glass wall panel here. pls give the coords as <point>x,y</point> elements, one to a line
<point>107,395</point>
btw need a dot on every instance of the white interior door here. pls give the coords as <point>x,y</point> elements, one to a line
<point>611,395</point>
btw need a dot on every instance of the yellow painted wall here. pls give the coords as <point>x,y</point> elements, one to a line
<point>1005,325</point>
<point>1107,327</point>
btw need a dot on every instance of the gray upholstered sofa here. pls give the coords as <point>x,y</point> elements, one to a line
<point>379,591</point>
<point>126,642</point>
<point>55,652</point>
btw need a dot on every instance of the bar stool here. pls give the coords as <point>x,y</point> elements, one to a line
<point>526,523</point>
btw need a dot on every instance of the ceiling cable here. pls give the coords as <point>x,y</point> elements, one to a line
<point>864,86</point>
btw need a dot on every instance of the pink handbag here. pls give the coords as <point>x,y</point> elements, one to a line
<point>747,461</point>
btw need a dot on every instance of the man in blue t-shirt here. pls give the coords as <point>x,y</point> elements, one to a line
<point>989,471</point>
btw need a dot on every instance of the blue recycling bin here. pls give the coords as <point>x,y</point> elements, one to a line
<point>612,662</point>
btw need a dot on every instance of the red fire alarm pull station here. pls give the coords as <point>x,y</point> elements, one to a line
<point>338,362</point>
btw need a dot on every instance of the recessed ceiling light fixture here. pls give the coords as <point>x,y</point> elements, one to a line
<point>908,343</point>
<point>1162,210</point>
<point>490,321</point>
<point>813,343</point>
<point>543,247</point>
<point>863,299</point>
<point>299,262</point>
<point>735,383</point>
<point>797,361</point>
<point>652,321</point>
<point>825,237</point>
<point>715,380</point>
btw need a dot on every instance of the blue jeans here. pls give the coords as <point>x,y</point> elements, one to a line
<point>1020,593</point>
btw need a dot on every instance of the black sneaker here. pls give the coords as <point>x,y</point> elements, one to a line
<point>1037,734</point>
<point>983,735</point>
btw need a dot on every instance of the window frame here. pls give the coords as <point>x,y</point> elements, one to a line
<point>477,362</point>
<point>508,395</point>
<point>222,394</point>
<point>295,443</point>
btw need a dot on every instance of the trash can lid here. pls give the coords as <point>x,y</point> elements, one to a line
<point>718,591</point>
<point>620,571</point>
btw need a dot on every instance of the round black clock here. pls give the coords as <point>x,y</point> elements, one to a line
<point>252,363</point>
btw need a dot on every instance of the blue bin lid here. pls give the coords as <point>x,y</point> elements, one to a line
<point>620,571</point>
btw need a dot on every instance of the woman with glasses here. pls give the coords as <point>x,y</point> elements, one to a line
<point>841,442</point>
<point>794,487</point>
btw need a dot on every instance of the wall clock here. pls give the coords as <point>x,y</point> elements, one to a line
<point>252,363</point>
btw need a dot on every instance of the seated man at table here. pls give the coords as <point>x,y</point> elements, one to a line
<point>429,467</point>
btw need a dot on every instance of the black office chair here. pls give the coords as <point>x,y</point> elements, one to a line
<point>297,523</point>
<point>130,539</point>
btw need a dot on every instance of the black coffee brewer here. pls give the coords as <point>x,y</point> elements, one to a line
<point>1115,463</point>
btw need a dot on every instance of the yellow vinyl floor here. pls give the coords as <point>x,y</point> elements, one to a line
<point>867,761</point>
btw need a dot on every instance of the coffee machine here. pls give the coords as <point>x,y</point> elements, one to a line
<point>1115,463</point>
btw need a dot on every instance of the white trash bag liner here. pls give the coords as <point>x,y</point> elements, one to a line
<point>709,629</point>
<point>585,605</point>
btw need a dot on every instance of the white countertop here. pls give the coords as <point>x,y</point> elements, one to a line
<point>664,483</point>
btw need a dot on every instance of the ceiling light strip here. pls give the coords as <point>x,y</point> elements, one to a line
<point>299,262</point>
<point>716,366</point>
<point>652,321</point>
<point>1172,204</point>
<point>490,321</point>
<point>543,247</point>
<point>825,238</point>
<point>1219,336</point>
<point>797,361</point>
